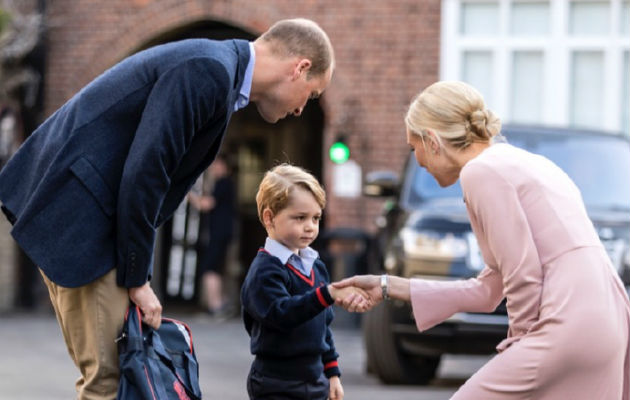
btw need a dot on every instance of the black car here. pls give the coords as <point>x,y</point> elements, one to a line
<point>424,231</point>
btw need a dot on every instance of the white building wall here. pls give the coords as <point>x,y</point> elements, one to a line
<point>566,59</point>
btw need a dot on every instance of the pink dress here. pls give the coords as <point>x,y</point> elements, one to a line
<point>569,314</point>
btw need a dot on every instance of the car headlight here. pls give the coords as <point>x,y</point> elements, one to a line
<point>435,245</point>
<point>442,246</point>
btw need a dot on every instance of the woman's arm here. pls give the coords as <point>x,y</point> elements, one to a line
<point>432,301</point>
<point>501,217</point>
<point>397,288</point>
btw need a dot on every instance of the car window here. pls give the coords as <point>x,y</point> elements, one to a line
<point>599,166</point>
<point>425,187</point>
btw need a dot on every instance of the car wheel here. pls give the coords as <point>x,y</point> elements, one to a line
<point>384,356</point>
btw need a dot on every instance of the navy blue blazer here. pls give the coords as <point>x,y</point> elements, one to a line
<point>89,187</point>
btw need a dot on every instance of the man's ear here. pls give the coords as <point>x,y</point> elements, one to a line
<point>267,217</point>
<point>302,67</point>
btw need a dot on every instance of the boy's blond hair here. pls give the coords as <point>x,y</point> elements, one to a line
<point>274,192</point>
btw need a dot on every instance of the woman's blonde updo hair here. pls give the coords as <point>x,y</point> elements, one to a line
<point>455,111</point>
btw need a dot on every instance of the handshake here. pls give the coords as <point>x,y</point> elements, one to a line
<point>359,293</point>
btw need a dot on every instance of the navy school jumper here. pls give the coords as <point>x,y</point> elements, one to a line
<point>288,316</point>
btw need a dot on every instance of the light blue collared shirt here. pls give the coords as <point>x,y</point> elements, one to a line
<point>246,88</point>
<point>304,262</point>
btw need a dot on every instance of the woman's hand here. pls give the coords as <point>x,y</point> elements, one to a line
<point>370,284</point>
<point>397,288</point>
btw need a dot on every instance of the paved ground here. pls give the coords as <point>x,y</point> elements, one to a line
<point>35,366</point>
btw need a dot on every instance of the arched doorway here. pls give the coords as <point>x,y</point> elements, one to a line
<point>251,146</point>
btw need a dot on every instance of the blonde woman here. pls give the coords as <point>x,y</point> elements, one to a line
<point>569,314</point>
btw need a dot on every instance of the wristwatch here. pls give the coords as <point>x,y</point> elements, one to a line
<point>384,286</point>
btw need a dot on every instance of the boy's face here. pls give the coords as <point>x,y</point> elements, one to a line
<point>297,225</point>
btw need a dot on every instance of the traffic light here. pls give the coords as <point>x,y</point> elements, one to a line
<point>339,152</point>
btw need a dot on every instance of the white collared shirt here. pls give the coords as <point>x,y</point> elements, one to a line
<point>303,262</point>
<point>246,88</point>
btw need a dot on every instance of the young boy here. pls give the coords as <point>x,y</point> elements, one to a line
<point>286,297</point>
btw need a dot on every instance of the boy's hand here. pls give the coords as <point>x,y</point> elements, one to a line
<point>336,390</point>
<point>352,298</point>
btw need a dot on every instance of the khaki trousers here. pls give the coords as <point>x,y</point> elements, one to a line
<point>91,318</point>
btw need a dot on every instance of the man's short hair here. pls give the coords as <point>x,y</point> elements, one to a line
<point>274,192</point>
<point>304,38</point>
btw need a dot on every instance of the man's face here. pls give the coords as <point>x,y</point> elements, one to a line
<point>289,96</point>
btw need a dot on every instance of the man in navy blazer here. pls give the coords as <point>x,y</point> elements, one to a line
<point>88,189</point>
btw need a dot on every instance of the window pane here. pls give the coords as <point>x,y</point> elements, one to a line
<point>625,17</point>
<point>480,18</point>
<point>527,86</point>
<point>625,103</point>
<point>589,18</point>
<point>530,19</point>
<point>477,71</point>
<point>587,82</point>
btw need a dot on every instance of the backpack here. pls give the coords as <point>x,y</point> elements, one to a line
<point>156,364</point>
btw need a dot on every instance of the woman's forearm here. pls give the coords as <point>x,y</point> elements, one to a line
<point>398,288</point>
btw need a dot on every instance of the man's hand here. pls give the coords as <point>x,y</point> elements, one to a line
<point>371,287</point>
<point>336,390</point>
<point>145,298</point>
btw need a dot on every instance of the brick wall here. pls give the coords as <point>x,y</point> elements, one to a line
<point>386,52</point>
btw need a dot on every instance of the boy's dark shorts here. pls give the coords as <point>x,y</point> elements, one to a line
<point>261,387</point>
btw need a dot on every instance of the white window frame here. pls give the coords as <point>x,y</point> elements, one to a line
<point>557,47</point>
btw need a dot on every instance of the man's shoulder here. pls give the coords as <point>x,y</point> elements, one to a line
<point>223,51</point>
<point>219,54</point>
<point>196,47</point>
